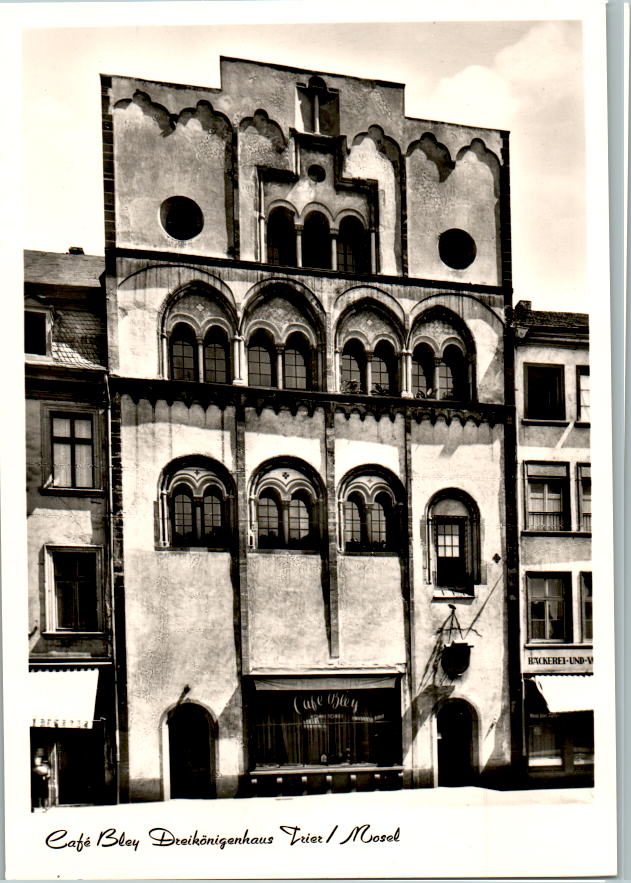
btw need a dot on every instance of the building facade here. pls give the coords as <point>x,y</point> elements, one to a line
<point>306,519</point>
<point>553,398</point>
<point>71,655</point>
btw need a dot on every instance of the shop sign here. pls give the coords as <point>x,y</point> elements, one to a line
<point>312,703</point>
<point>553,659</point>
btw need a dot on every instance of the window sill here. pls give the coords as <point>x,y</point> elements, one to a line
<point>352,554</point>
<point>285,551</point>
<point>72,491</point>
<point>581,424</point>
<point>453,594</point>
<point>534,645</point>
<point>192,548</point>
<point>531,421</point>
<point>585,534</point>
<point>73,634</point>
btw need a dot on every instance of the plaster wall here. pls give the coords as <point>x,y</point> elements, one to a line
<point>468,458</point>
<point>179,605</point>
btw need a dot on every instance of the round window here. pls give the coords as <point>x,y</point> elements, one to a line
<point>181,217</point>
<point>316,173</point>
<point>456,249</point>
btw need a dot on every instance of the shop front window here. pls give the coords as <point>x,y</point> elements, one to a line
<point>307,728</point>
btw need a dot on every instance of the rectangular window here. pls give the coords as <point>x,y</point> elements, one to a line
<point>584,479</point>
<point>36,333</point>
<point>547,496</point>
<point>549,608</point>
<point>75,603</point>
<point>545,392</point>
<point>451,561</point>
<point>72,444</point>
<point>586,607</point>
<point>545,746</point>
<point>583,394</point>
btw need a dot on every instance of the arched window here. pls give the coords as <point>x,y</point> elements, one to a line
<point>353,247</point>
<point>281,238</point>
<point>370,515</point>
<point>216,357</point>
<point>423,372</point>
<point>261,361</point>
<point>300,517</point>
<point>195,504</point>
<point>452,375</point>
<point>316,242</point>
<point>354,519</point>
<point>269,522</point>
<point>286,508</point>
<point>183,348</point>
<point>213,517</point>
<point>455,541</point>
<point>353,367</point>
<point>384,369</point>
<point>183,515</point>
<point>297,363</point>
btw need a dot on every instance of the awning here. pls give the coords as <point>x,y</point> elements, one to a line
<point>326,683</point>
<point>63,699</point>
<point>563,693</point>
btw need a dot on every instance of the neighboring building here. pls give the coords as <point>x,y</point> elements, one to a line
<point>73,711</point>
<point>553,401</point>
<point>312,417</point>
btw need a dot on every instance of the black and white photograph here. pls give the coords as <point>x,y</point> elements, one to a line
<point>306,563</point>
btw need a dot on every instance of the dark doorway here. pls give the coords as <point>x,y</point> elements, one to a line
<point>455,726</point>
<point>190,752</point>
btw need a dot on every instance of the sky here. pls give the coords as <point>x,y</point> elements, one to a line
<point>526,77</point>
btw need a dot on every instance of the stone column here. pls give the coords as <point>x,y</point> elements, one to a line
<point>334,250</point>
<point>280,350</point>
<point>406,374</point>
<point>373,251</point>
<point>298,229</point>
<point>164,350</point>
<point>368,372</point>
<point>200,361</point>
<point>337,371</point>
<point>238,360</point>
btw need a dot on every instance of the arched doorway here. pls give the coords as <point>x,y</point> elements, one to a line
<point>191,752</point>
<point>455,724</point>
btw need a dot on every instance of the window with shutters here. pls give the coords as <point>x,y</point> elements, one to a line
<point>584,479</point>
<point>454,543</point>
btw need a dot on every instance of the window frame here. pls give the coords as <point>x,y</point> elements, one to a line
<point>216,336</point>
<point>192,341</point>
<point>585,597</point>
<point>582,371</point>
<point>260,339</point>
<point>365,508</point>
<point>51,610</point>
<point>48,332</point>
<point>560,416</point>
<point>583,475</point>
<point>564,483</point>
<point>568,626</point>
<point>72,411</point>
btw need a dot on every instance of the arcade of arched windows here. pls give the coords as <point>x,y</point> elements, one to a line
<point>281,345</point>
<point>314,242</point>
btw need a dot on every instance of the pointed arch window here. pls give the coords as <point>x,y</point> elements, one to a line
<point>384,369</point>
<point>216,357</point>
<point>316,242</point>
<point>353,247</point>
<point>423,372</point>
<point>183,350</point>
<point>261,361</point>
<point>353,367</point>
<point>281,238</point>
